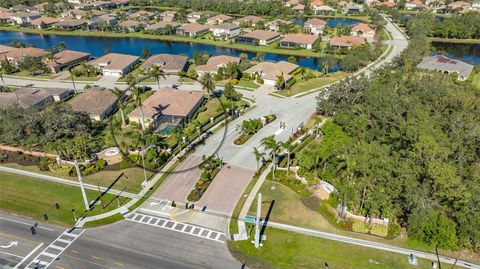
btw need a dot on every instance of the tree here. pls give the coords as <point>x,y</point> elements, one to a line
<point>258,156</point>
<point>119,95</point>
<point>156,72</point>
<point>288,147</point>
<point>62,46</point>
<point>72,77</point>
<point>292,59</point>
<point>260,56</point>
<point>131,80</point>
<point>328,62</point>
<point>280,82</point>
<point>230,93</point>
<point>433,228</point>
<point>145,53</point>
<point>243,56</point>
<point>232,70</point>
<point>271,144</point>
<point>207,82</point>
<point>191,72</point>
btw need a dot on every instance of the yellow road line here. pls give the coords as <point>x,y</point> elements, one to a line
<point>74,251</point>
<point>59,267</point>
<point>189,219</point>
<point>96,258</point>
<point>119,264</point>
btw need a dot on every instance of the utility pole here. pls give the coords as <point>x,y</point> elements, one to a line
<point>82,188</point>
<point>257,220</point>
<point>144,183</point>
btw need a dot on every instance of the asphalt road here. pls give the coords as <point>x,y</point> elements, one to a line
<point>121,245</point>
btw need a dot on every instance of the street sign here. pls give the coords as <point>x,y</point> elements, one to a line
<point>250,219</point>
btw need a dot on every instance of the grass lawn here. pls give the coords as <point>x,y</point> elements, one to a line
<point>132,178</point>
<point>303,86</point>
<point>246,83</point>
<point>284,249</point>
<point>33,198</point>
<point>476,81</point>
<point>26,74</point>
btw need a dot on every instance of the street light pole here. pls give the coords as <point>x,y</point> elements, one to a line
<point>257,220</point>
<point>82,188</point>
<point>144,183</point>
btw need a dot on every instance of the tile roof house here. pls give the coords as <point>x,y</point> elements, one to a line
<point>298,40</point>
<point>14,56</point>
<point>196,16</point>
<point>447,65</point>
<point>142,15</point>
<point>97,103</point>
<point>66,58</point>
<point>192,29</point>
<point>250,20</point>
<point>415,5</point>
<point>226,30</point>
<point>169,16</point>
<point>168,107</point>
<point>363,30</point>
<point>269,71</point>
<point>5,18</point>
<point>275,24</point>
<point>169,63</point>
<point>161,27</point>
<point>5,49</point>
<point>131,26</point>
<point>324,10</point>
<point>43,22</point>
<point>69,24</point>
<point>214,63</point>
<point>115,64</point>
<point>220,18</point>
<point>298,9</point>
<point>258,37</point>
<point>315,26</point>
<point>33,97</point>
<point>346,42</point>
<point>22,18</point>
<point>292,3</point>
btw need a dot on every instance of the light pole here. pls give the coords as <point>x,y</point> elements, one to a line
<point>144,183</point>
<point>257,220</point>
<point>82,188</point>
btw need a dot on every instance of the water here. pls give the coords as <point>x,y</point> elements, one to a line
<point>97,46</point>
<point>469,53</point>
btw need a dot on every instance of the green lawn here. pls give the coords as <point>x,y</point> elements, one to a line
<point>303,86</point>
<point>132,178</point>
<point>33,198</point>
<point>26,74</point>
<point>284,249</point>
<point>246,83</point>
<point>476,81</point>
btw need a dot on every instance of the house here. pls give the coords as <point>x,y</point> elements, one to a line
<point>258,37</point>
<point>83,14</point>
<point>169,16</point>
<point>97,103</point>
<point>163,27</point>
<point>4,49</point>
<point>346,42</point>
<point>169,63</point>
<point>416,5</point>
<point>24,9</point>
<point>269,71</point>
<point>195,16</point>
<point>276,24</point>
<point>69,24</point>
<point>33,97</point>
<point>121,3</point>
<point>324,10</point>
<point>14,56</point>
<point>5,18</point>
<point>102,22</point>
<point>447,65</point>
<point>192,29</point>
<point>248,20</point>
<point>218,19</point>
<point>353,9</point>
<point>298,9</point>
<point>292,3</point>
<point>388,4</point>
<point>315,26</point>
<point>363,30</point>
<point>130,26</point>
<point>43,22</point>
<point>315,4</point>
<point>214,63</point>
<point>226,30</point>
<point>23,18</point>
<point>142,15</point>
<point>115,64</point>
<point>167,107</point>
<point>66,58</point>
<point>298,40</point>
<point>459,5</point>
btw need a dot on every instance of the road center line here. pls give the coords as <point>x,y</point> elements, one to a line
<point>26,223</point>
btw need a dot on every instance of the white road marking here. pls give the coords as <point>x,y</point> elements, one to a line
<point>26,223</point>
<point>188,172</point>
<point>10,254</point>
<point>28,256</point>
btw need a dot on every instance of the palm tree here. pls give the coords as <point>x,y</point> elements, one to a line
<point>62,46</point>
<point>280,82</point>
<point>136,92</point>
<point>258,156</point>
<point>288,147</point>
<point>2,71</point>
<point>208,83</point>
<point>72,77</point>
<point>131,80</point>
<point>270,143</point>
<point>119,94</point>
<point>156,72</point>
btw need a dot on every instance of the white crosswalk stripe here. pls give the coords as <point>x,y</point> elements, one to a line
<point>178,227</point>
<point>55,249</point>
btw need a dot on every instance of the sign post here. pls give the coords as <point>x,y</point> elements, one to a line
<point>257,221</point>
<point>82,188</point>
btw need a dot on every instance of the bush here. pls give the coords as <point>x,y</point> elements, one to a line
<point>44,164</point>
<point>260,80</point>
<point>234,81</point>
<point>393,230</point>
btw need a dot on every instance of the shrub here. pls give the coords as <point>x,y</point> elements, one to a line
<point>234,81</point>
<point>393,230</point>
<point>260,80</point>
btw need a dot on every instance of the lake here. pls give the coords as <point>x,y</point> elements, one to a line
<point>469,53</point>
<point>97,46</point>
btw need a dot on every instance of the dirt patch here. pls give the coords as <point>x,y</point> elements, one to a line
<point>19,157</point>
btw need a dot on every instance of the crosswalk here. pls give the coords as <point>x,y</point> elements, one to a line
<point>53,251</point>
<point>178,227</point>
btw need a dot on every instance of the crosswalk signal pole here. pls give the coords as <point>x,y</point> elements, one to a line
<point>257,221</point>
<point>82,188</point>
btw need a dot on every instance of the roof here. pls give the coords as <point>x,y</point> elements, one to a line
<point>141,13</point>
<point>300,38</point>
<point>46,20</point>
<point>167,62</point>
<point>169,13</point>
<point>168,101</point>
<point>21,52</point>
<point>220,17</point>
<point>226,26</point>
<point>69,22</point>
<point>130,23</point>
<point>324,8</point>
<point>25,14</point>
<point>114,61</point>
<point>316,21</point>
<point>215,62</point>
<point>362,27</point>
<point>193,27</point>
<point>67,56</point>
<point>250,18</point>
<point>94,102</point>
<point>278,22</point>
<point>315,3</point>
<point>28,97</point>
<point>347,41</point>
<point>262,35</point>
<point>443,63</point>
<point>271,70</point>
<point>4,49</point>
<point>161,25</point>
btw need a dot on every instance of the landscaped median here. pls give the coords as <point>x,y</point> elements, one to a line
<point>210,167</point>
<point>251,127</point>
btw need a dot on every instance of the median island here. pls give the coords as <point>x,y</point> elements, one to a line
<point>251,127</point>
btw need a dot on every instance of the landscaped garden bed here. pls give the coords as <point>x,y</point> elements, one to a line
<point>251,127</point>
<point>210,166</point>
